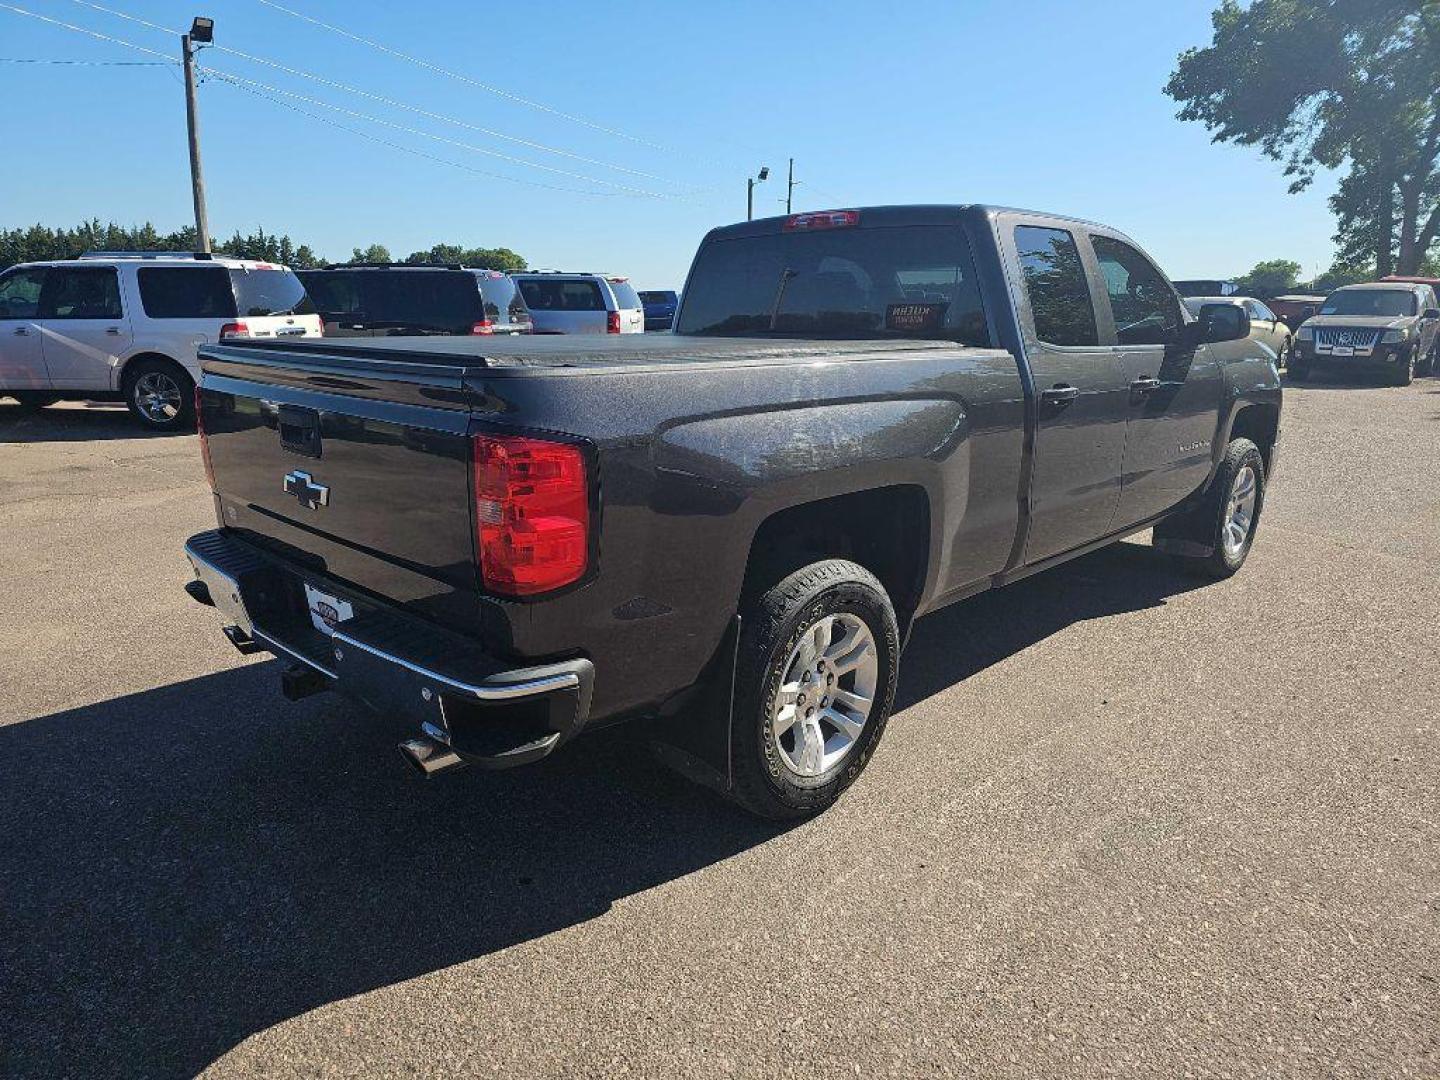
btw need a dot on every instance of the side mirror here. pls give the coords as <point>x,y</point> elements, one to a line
<point>1431,313</point>
<point>1224,322</point>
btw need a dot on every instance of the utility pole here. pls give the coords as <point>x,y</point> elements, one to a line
<point>790,186</point>
<point>201,32</point>
<point>750,183</point>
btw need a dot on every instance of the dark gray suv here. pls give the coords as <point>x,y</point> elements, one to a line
<point>399,300</point>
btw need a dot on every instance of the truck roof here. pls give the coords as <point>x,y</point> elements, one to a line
<point>896,214</point>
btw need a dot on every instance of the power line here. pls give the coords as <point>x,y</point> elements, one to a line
<point>88,63</point>
<point>239,85</point>
<point>237,80</point>
<point>392,102</point>
<point>88,33</point>
<point>460,77</point>
<point>226,76</point>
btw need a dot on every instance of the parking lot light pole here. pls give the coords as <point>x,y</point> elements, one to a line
<point>202,32</point>
<point>750,183</point>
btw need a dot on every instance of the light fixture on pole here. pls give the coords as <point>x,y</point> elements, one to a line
<point>202,32</point>
<point>750,183</point>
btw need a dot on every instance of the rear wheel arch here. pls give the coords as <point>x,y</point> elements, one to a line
<point>183,410</point>
<point>886,530</point>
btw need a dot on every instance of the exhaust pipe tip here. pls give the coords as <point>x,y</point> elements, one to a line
<point>429,758</point>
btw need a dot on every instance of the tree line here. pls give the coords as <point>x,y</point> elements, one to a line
<point>37,243</point>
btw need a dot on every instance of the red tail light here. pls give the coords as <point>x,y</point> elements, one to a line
<point>822,219</point>
<point>484,326</point>
<point>235,330</point>
<point>204,438</point>
<point>532,513</point>
<point>612,322</point>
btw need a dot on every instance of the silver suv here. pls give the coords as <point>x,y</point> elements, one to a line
<point>125,326</point>
<point>562,303</point>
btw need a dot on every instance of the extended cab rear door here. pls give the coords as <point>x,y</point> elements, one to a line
<point>1173,393</point>
<point>1082,390</point>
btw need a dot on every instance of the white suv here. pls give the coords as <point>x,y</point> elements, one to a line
<point>562,303</point>
<point>119,325</point>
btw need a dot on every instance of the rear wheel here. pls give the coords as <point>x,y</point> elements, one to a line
<point>819,653</point>
<point>160,394</point>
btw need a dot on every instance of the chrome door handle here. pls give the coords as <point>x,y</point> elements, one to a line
<point>23,331</point>
<point>113,330</point>
<point>1059,394</point>
<point>1145,384</point>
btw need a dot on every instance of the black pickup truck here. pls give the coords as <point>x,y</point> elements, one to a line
<point>728,532</point>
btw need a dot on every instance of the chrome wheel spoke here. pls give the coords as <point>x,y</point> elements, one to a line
<point>828,691</point>
<point>853,701</point>
<point>810,746</point>
<point>846,725</point>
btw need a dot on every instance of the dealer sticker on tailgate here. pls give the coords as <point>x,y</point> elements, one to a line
<point>326,611</point>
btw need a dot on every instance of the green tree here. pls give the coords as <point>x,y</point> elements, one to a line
<point>1341,274</point>
<point>375,253</point>
<point>1336,84</point>
<point>479,258</point>
<point>1270,278</point>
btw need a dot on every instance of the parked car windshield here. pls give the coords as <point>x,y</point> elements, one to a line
<point>905,281</point>
<point>1382,302</point>
<point>270,292</point>
<point>661,297</point>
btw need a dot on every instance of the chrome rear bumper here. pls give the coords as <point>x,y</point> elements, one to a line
<point>487,712</point>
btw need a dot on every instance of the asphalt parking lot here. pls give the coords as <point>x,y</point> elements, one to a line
<point>1124,823</point>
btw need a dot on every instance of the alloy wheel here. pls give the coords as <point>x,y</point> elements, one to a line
<point>1240,511</point>
<point>157,396</point>
<point>827,692</point>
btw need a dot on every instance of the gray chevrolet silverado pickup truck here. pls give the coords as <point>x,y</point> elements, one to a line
<point>726,532</point>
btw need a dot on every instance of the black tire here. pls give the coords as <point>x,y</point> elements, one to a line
<point>134,385</point>
<point>1195,538</point>
<point>1427,366</point>
<point>773,625</point>
<point>1404,374</point>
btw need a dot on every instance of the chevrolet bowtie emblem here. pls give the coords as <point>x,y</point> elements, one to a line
<point>302,485</point>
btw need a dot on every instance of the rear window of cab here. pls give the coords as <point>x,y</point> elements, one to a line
<point>913,281</point>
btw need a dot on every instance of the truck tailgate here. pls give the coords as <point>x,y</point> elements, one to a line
<point>357,471</point>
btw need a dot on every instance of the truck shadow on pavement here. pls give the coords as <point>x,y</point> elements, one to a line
<point>965,638</point>
<point>186,866</point>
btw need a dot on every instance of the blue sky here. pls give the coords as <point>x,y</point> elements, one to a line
<point>1048,105</point>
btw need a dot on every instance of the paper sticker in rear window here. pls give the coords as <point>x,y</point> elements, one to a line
<point>915,318</point>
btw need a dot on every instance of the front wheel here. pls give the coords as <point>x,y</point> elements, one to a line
<point>160,394</point>
<point>819,654</point>
<point>1427,366</point>
<point>1215,537</point>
